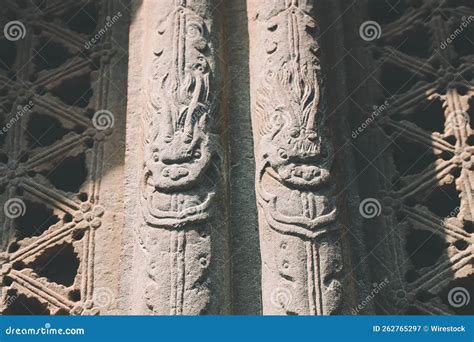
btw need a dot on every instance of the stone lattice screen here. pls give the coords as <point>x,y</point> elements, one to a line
<point>190,157</point>
<point>416,152</point>
<point>60,175</point>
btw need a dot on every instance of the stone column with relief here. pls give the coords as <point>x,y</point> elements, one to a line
<point>302,252</point>
<point>177,223</point>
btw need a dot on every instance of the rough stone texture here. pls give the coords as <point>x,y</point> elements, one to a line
<point>301,236</point>
<point>179,221</point>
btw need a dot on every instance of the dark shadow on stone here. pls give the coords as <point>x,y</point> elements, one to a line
<point>245,245</point>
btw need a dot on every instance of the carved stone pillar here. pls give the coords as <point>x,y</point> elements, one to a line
<point>300,231</point>
<point>178,224</point>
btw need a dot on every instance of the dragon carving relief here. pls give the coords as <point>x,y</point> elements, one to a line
<point>182,165</point>
<point>294,160</point>
<point>294,150</point>
<point>180,147</point>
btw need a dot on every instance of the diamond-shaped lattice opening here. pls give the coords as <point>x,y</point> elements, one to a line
<point>430,116</point>
<point>75,91</point>
<point>59,264</point>
<point>20,304</point>
<point>69,174</point>
<point>464,42</point>
<point>396,80</point>
<point>416,42</point>
<point>75,295</point>
<point>44,130</point>
<point>50,54</point>
<point>82,19</point>
<point>455,3</point>
<point>386,11</point>
<point>469,227</point>
<point>37,219</point>
<point>470,113</point>
<point>411,158</point>
<point>444,201</point>
<point>424,248</point>
<point>7,54</point>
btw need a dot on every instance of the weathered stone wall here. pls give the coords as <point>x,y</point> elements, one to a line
<point>192,157</point>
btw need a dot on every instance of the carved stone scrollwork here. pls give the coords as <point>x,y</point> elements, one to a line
<point>294,156</point>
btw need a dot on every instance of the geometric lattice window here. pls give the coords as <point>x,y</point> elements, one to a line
<point>422,153</point>
<point>56,72</point>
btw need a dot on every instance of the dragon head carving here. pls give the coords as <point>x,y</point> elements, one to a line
<point>291,145</point>
<point>177,163</point>
<point>180,147</point>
